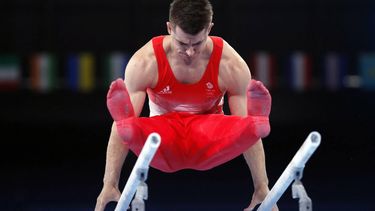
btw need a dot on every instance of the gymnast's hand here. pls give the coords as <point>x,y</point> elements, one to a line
<point>108,194</point>
<point>258,196</point>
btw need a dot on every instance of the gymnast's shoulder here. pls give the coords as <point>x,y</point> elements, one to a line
<point>232,64</point>
<point>143,64</point>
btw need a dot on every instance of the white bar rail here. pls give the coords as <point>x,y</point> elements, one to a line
<point>292,171</point>
<point>139,172</point>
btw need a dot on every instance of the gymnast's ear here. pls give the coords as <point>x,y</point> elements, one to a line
<point>209,27</point>
<point>169,27</point>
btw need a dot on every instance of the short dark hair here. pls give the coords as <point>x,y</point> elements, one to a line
<point>192,16</point>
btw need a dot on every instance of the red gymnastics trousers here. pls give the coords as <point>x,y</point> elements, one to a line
<point>191,141</point>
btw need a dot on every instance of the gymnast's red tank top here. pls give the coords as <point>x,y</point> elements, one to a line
<point>170,95</point>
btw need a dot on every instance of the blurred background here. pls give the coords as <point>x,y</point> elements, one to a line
<point>57,59</point>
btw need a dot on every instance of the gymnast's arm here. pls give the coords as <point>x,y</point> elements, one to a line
<point>138,77</point>
<point>236,75</point>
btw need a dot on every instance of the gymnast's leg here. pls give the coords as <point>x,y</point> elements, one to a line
<point>193,141</point>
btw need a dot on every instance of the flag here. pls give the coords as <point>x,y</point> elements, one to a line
<point>10,72</point>
<point>299,71</point>
<point>367,70</point>
<point>335,70</point>
<point>263,67</point>
<point>43,72</point>
<point>114,67</point>
<point>81,72</point>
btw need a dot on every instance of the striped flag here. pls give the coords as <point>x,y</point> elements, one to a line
<point>263,65</point>
<point>335,70</point>
<point>10,72</point>
<point>43,72</point>
<point>114,67</point>
<point>81,72</point>
<point>300,71</point>
<point>367,70</point>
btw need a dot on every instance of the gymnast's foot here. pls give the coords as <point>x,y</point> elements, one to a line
<point>118,101</point>
<point>258,99</point>
<point>259,106</point>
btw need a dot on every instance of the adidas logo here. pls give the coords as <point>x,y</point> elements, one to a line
<point>166,90</point>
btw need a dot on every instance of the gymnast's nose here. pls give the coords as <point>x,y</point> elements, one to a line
<point>190,51</point>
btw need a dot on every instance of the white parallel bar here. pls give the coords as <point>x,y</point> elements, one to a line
<point>142,164</point>
<point>290,173</point>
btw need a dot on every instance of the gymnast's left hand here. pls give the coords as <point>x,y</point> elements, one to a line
<point>258,196</point>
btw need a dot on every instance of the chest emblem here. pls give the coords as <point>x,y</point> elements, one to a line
<point>209,85</point>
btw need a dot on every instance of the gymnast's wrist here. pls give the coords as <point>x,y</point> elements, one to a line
<point>110,183</point>
<point>261,185</point>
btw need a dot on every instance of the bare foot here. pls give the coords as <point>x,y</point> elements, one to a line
<point>259,107</point>
<point>258,99</point>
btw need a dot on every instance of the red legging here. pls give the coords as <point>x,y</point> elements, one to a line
<point>191,141</point>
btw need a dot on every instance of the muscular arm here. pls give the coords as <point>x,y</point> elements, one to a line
<point>236,76</point>
<point>138,77</point>
<point>254,156</point>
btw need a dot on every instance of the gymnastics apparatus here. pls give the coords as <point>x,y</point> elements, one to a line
<point>136,183</point>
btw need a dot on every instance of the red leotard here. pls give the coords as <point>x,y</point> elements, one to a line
<point>170,95</point>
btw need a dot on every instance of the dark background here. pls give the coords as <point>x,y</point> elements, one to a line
<point>53,144</point>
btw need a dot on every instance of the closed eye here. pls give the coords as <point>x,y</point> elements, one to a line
<point>198,43</point>
<point>182,44</point>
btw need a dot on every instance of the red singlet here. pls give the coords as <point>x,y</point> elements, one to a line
<point>170,95</point>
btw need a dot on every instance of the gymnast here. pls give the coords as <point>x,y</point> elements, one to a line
<point>185,76</point>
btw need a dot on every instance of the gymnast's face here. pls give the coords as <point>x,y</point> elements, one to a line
<point>186,45</point>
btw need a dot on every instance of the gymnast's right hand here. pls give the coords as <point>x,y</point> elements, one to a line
<point>109,193</point>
